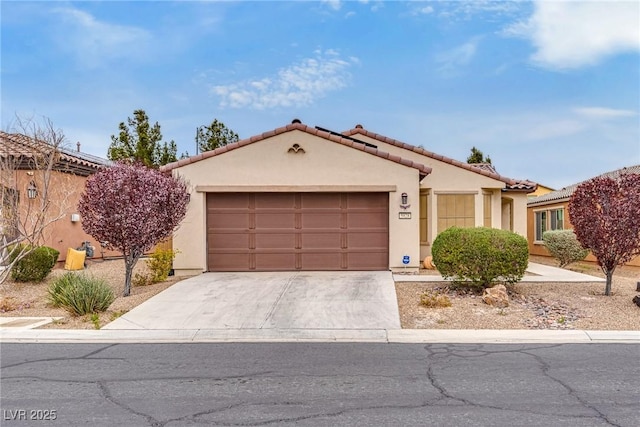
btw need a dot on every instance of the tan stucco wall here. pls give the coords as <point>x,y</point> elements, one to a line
<point>449,179</point>
<point>324,166</point>
<point>64,193</point>
<point>519,212</point>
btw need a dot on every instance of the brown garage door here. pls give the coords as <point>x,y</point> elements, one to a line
<point>297,231</point>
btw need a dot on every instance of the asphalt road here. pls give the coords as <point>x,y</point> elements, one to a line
<point>320,384</point>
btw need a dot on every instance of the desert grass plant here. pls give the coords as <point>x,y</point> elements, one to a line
<point>8,304</point>
<point>434,300</point>
<point>141,279</point>
<point>80,294</point>
<point>563,245</point>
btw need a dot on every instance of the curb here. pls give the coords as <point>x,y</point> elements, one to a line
<point>392,336</point>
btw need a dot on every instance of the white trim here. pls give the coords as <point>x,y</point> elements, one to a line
<point>296,188</point>
<point>549,208</point>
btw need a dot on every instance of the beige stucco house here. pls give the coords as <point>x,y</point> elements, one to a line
<point>305,198</point>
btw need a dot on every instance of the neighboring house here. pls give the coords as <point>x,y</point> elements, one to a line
<point>24,183</point>
<point>305,198</point>
<point>540,191</point>
<point>551,212</point>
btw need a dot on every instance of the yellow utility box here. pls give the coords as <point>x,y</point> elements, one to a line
<point>75,260</point>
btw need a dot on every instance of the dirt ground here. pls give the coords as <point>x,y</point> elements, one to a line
<point>532,305</point>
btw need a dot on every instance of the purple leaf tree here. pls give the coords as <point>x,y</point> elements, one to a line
<point>605,214</point>
<point>132,208</point>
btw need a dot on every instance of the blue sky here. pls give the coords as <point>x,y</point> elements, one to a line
<point>550,90</point>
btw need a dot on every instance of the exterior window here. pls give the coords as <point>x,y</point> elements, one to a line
<point>456,210</point>
<point>424,238</point>
<point>487,210</point>
<point>552,219</point>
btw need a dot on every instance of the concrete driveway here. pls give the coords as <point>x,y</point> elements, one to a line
<point>271,300</point>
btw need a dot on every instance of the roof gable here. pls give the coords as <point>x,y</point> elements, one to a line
<point>482,169</point>
<point>297,126</point>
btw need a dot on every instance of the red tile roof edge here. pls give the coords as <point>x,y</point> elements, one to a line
<point>424,170</point>
<point>15,143</point>
<point>511,184</point>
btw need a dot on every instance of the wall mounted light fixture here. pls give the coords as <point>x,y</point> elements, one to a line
<point>32,190</point>
<point>404,197</point>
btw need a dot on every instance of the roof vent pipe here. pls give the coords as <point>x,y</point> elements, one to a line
<point>78,145</point>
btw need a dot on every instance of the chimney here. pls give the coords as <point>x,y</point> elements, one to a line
<point>78,145</point>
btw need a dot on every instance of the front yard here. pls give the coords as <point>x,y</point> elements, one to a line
<point>532,306</point>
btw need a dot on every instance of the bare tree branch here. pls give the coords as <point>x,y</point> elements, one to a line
<point>29,200</point>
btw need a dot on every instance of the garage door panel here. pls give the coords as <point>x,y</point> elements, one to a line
<point>367,220</point>
<point>321,220</point>
<point>274,200</point>
<point>293,231</point>
<point>275,240</point>
<point>368,240</point>
<point>321,240</point>
<point>232,200</point>
<point>322,261</point>
<point>365,201</point>
<point>229,262</point>
<point>274,220</point>
<point>231,240</point>
<point>230,220</point>
<point>367,261</point>
<point>275,261</point>
<point>321,200</point>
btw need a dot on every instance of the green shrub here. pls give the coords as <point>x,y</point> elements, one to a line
<point>160,263</point>
<point>480,256</point>
<point>35,266</point>
<point>563,245</point>
<point>80,294</point>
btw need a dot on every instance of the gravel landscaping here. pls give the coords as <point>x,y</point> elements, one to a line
<point>532,305</point>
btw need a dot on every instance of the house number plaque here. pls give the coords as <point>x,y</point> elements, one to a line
<point>404,215</point>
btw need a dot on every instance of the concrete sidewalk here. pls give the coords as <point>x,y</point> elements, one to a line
<point>392,336</point>
<point>538,273</point>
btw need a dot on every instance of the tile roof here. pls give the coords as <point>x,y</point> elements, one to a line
<point>23,148</point>
<point>482,169</point>
<point>297,125</point>
<point>566,192</point>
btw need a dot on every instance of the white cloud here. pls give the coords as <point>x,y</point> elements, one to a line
<point>473,9</point>
<point>333,4</point>
<point>603,113</point>
<point>424,10</point>
<point>297,85</point>
<point>575,34</point>
<point>94,42</point>
<point>452,60</point>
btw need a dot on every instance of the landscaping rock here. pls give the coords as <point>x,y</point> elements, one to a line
<point>636,300</point>
<point>496,296</point>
